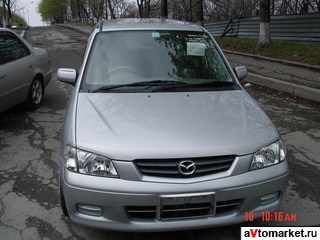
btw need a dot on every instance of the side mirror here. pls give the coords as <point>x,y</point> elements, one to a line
<point>67,75</point>
<point>241,72</point>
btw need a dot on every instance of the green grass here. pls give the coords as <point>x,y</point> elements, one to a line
<point>280,49</point>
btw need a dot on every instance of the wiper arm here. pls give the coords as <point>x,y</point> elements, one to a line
<point>213,84</point>
<point>105,88</point>
<point>204,84</point>
<point>142,83</point>
<point>164,84</point>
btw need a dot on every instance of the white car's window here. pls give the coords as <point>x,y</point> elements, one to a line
<point>11,48</point>
<point>126,57</point>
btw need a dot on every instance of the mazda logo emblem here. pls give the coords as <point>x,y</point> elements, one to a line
<point>187,167</point>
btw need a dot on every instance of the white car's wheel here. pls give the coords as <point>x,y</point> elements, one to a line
<point>35,95</point>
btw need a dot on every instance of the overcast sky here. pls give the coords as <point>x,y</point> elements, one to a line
<point>28,10</point>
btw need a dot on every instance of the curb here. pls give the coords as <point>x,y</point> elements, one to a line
<point>297,90</point>
<point>296,64</point>
<point>309,93</point>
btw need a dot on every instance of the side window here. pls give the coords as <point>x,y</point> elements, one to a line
<point>11,48</point>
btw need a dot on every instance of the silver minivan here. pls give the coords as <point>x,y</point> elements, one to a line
<point>159,134</point>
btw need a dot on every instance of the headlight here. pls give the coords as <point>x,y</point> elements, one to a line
<point>269,155</point>
<point>88,163</point>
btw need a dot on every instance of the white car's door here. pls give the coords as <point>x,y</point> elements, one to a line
<point>16,70</point>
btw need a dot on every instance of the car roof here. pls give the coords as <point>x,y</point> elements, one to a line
<point>147,24</point>
<point>5,30</point>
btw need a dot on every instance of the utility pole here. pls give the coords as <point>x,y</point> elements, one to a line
<point>28,13</point>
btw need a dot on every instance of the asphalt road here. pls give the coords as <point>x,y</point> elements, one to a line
<point>29,146</point>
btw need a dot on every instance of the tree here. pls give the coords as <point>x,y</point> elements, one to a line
<point>7,5</point>
<point>4,13</point>
<point>199,12</point>
<point>75,9</point>
<point>144,8</point>
<point>182,10</point>
<point>91,10</point>
<point>131,10</point>
<point>111,10</point>
<point>96,8</point>
<point>56,9</point>
<point>164,8</point>
<point>148,8</point>
<point>265,36</point>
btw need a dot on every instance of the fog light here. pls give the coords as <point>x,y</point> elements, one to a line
<point>270,198</point>
<point>90,210</point>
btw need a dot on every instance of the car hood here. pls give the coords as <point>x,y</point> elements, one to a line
<point>127,126</point>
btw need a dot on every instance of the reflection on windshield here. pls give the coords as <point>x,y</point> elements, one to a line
<point>127,57</point>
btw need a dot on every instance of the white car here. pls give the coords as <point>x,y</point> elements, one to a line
<point>24,71</point>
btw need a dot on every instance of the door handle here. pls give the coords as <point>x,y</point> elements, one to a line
<point>4,76</point>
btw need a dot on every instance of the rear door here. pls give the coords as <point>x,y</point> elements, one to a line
<point>16,70</point>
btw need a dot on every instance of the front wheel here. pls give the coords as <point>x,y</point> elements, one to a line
<point>35,95</point>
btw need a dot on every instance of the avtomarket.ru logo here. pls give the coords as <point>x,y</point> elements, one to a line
<point>280,232</point>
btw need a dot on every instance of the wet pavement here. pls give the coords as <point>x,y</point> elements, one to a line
<point>29,152</point>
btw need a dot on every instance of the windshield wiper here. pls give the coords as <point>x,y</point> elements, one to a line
<point>142,83</point>
<point>203,84</point>
<point>213,84</point>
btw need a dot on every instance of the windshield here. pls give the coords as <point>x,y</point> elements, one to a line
<point>126,57</point>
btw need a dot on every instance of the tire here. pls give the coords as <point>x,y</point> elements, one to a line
<point>63,203</point>
<point>35,95</point>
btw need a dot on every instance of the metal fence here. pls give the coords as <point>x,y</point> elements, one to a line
<point>299,28</point>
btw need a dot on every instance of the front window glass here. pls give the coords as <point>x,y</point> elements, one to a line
<point>127,57</point>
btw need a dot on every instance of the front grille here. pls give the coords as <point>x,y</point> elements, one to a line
<point>182,211</point>
<point>145,212</point>
<point>169,167</point>
<point>186,210</point>
<point>227,206</point>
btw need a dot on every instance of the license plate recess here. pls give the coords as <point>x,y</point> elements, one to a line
<point>186,206</point>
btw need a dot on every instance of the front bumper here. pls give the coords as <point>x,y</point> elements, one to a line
<point>113,196</point>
